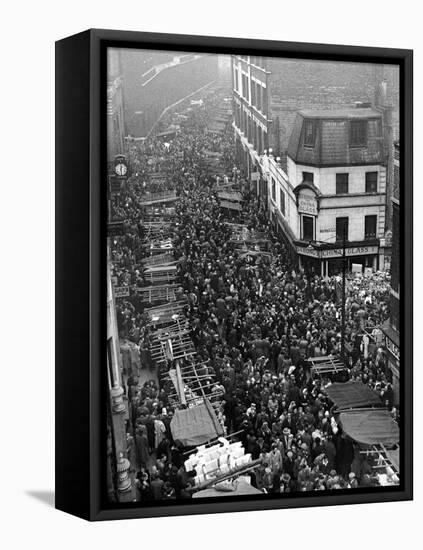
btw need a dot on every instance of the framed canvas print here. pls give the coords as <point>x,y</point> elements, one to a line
<point>234,275</point>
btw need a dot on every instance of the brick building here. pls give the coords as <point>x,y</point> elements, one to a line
<point>392,329</point>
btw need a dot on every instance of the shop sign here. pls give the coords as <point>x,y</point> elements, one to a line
<point>307,204</point>
<point>305,251</point>
<point>121,291</point>
<point>255,176</point>
<point>392,348</point>
<point>115,229</point>
<point>352,251</point>
<point>115,185</point>
<point>337,252</point>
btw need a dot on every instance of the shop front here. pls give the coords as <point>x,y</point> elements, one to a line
<point>327,260</point>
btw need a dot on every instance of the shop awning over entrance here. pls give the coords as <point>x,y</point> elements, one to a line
<point>370,426</point>
<point>352,395</point>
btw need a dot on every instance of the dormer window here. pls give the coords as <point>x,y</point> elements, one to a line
<point>309,133</point>
<point>358,133</point>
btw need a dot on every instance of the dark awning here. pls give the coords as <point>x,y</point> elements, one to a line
<point>352,395</point>
<point>242,488</point>
<point>370,427</point>
<point>196,425</point>
<point>231,205</point>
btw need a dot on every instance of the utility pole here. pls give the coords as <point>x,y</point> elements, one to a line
<point>343,295</point>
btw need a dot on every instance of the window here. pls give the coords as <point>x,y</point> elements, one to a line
<point>308,177</point>
<point>341,229</point>
<point>273,190</point>
<point>282,196</point>
<point>309,133</point>
<point>236,79</point>
<point>110,361</point>
<point>244,87</point>
<point>358,133</point>
<point>341,184</point>
<point>258,97</point>
<point>370,227</point>
<point>371,182</point>
<point>308,228</point>
<point>260,141</point>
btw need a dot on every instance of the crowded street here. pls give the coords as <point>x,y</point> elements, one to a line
<point>209,289</point>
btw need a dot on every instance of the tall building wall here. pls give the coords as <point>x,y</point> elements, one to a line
<point>147,96</point>
<point>115,108</point>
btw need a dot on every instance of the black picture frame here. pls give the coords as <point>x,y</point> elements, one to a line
<point>81,261</point>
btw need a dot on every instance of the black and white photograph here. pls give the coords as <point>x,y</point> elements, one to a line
<point>253,268</point>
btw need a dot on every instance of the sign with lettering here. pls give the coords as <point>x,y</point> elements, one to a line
<point>115,185</point>
<point>337,252</point>
<point>352,251</point>
<point>115,229</point>
<point>121,291</point>
<point>306,251</point>
<point>392,348</point>
<point>307,204</point>
<point>255,176</point>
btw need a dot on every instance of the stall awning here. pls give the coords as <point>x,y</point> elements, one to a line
<point>243,488</point>
<point>196,425</point>
<point>352,395</point>
<point>370,426</point>
<point>231,205</point>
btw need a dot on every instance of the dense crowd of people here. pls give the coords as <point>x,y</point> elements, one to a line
<point>254,321</point>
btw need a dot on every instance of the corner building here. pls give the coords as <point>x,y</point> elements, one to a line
<point>335,186</point>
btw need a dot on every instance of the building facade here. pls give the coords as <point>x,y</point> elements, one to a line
<point>250,82</point>
<point>334,190</point>
<point>115,106</point>
<point>119,480</point>
<point>392,329</point>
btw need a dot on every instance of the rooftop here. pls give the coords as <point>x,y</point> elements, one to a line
<point>332,137</point>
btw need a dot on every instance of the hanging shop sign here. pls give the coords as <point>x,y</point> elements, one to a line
<point>392,348</point>
<point>307,204</point>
